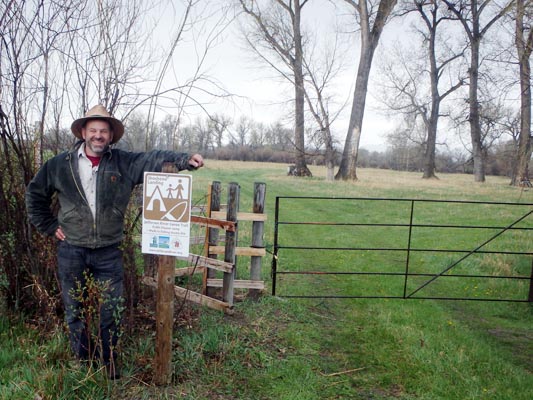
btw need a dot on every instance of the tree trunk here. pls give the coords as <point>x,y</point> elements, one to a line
<point>524,47</point>
<point>369,41</point>
<point>431,141</point>
<point>330,159</point>
<point>299,97</point>
<point>475,126</point>
<point>348,166</point>
<point>524,143</point>
<point>469,14</point>
<point>429,156</point>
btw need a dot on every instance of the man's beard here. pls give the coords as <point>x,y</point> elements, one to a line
<point>97,148</point>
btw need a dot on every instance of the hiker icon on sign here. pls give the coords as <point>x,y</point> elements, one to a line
<point>169,191</point>
<point>166,197</point>
<point>178,189</point>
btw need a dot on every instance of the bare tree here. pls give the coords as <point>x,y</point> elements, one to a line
<point>107,43</point>
<point>372,17</point>
<point>320,71</point>
<point>278,32</point>
<point>493,122</point>
<point>524,47</point>
<point>24,38</point>
<point>242,131</point>
<point>405,153</point>
<point>135,140</point>
<point>278,136</point>
<point>258,135</point>
<point>166,132</point>
<point>219,124</point>
<point>469,13</point>
<point>203,135</point>
<point>438,65</point>
<point>511,126</point>
<point>408,78</point>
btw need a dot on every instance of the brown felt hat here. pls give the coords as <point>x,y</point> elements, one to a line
<point>98,112</point>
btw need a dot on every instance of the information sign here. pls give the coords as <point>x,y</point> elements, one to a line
<point>166,214</point>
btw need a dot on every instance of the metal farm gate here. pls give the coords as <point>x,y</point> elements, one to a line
<point>402,249</point>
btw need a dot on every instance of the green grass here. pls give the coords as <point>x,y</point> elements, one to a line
<point>308,349</point>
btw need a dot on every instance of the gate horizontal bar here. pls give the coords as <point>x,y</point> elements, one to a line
<point>405,200</point>
<point>404,225</point>
<point>527,253</point>
<point>402,274</point>
<point>403,298</point>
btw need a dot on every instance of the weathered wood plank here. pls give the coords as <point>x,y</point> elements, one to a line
<point>241,216</point>
<point>197,298</point>
<point>212,263</point>
<point>198,263</point>
<point>229,226</point>
<point>238,284</point>
<point>187,271</point>
<point>239,251</point>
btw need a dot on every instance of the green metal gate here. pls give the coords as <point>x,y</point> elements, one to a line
<point>402,249</point>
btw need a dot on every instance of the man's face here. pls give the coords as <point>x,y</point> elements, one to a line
<point>97,135</point>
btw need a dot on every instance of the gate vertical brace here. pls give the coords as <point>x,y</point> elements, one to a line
<point>275,250</point>
<point>530,297</point>
<point>228,280</point>
<point>408,249</point>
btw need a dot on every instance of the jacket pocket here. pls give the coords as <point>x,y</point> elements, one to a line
<point>111,224</point>
<point>71,217</point>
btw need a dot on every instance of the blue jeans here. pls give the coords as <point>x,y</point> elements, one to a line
<point>91,315</point>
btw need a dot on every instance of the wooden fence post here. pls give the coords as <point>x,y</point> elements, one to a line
<point>164,312</point>
<point>231,243</point>
<point>212,238</point>
<point>257,236</point>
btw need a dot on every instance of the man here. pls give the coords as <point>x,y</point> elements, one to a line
<point>93,184</point>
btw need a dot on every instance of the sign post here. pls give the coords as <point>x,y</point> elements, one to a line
<point>166,232</point>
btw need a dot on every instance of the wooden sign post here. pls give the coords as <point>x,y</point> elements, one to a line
<point>164,320</point>
<point>166,266</point>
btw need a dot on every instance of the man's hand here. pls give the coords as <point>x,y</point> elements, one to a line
<point>196,161</point>
<point>59,234</point>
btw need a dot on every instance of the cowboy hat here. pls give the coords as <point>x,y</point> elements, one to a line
<point>98,112</point>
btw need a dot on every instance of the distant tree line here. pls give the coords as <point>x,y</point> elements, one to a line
<point>247,140</point>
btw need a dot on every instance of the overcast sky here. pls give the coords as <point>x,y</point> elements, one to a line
<point>259,93</point>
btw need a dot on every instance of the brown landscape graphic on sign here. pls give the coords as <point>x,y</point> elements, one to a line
<point>167,199</point>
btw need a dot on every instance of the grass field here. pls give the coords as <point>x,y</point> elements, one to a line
<point>283,348</point>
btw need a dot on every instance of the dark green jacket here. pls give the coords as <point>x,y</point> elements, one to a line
<point>118,173</point>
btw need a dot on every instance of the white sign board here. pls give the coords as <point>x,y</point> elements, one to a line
<point>166,223</point>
